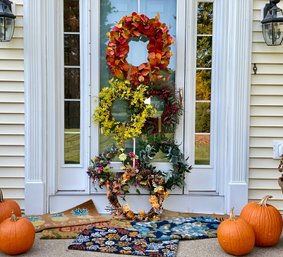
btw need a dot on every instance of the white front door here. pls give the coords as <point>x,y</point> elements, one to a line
<point>76,72</point>
<point>86,72</point>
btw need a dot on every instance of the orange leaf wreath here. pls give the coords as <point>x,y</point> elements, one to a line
<point>139,26</point>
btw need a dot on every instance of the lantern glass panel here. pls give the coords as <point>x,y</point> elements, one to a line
<point>273,33</point>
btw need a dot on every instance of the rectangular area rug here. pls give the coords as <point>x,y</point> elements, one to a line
<point>71,232</point>
<point>122,241</point>
<point>84,213</point>
<point>178,228</point>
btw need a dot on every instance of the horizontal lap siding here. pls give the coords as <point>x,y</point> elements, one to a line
<point>12,112</point>
<point>266,118</point>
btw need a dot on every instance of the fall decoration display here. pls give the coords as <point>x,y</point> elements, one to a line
<point>7,206</point>
<point>17,235</point>
<point>265,220</point>
<point>139,111</point>
<point>139,27</point>
<point>139,171</point>
<point>235,236</point>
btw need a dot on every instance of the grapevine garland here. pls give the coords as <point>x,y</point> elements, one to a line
<point>139,171</point>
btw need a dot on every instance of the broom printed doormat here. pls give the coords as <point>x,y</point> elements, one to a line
<point>178,228</point>
<point>122,241</point>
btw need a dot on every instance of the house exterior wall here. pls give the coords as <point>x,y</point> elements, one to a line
<point>266,113</point>
<point>12,112</point>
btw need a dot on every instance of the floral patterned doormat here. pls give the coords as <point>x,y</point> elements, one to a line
<point>178,228</point>
<point>122,241</point>
<point>84,213</point>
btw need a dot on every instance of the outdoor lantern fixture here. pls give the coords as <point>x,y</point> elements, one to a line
<point>272,23</point>
<point>7,21</point>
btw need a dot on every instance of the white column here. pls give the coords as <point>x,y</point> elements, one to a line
<point>238,92</point>
<point>35,105</point>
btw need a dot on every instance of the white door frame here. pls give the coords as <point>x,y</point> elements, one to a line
<point>234,87</point>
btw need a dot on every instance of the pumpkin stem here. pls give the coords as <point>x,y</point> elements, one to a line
<point>13,217</point>
<point>232,214</point>
<point>264,200</point>
<point>1,196</point>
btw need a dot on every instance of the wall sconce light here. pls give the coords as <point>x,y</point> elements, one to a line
<point>7,21</point>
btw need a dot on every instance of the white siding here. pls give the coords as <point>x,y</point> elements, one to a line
<point>266,121</point>
<point>12,112</point>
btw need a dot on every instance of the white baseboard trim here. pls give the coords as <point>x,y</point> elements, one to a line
<point>209,204</point>
<point>35,201</point>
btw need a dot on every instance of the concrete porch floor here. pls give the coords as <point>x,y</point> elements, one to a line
<point>189,248</point>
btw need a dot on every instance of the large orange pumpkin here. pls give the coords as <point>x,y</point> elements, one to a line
<point>235,236</point>
<point>266,221</point>
<point>7,206</point>
<point>16,235</point>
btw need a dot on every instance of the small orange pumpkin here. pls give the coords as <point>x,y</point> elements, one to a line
<point>265,220</point>
<point>235,235</point>
<point>7,206</point>
<point>16,235</point>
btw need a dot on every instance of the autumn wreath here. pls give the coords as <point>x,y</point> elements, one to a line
<point>139,26</point>
<point>138,110</point>
<point>166,117</point>
<point>138,170</point>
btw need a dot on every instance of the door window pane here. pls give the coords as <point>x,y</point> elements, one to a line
<point>203,83</point>
<point>111,12</point>
<point>72,86</point>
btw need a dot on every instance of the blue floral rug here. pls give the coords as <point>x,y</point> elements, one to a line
<point>178,228</point>
<point>122,241</point>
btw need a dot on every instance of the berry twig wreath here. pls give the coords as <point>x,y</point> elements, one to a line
<point>170,114</point>
<point>139,26</point>
<point>139,171</point>
<point>139,110</point>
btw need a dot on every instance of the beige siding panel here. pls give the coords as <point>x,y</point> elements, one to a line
<point>264,183</point>
<point>260,152</point>
<point>14,118</point>
<point>262,111</point>
<point>11,65</point>
<point>12,183</point>
<point>261,47</point>
<point>11,129</point>
<point>11,172</point>
<point>15,193</point>
<point>12,161</point>
<point>268,79</point>
<point>11,54</point>
<point>267,121</point>
<point>263,163</point>
<point>263,132</point>
<point>12,97</point>
<point>268,58</point>
<point>13,87</point>
<point>271,69</point>
<point>263,141</point>
<point>267,90</point>
<point>267,101</point>
<point>16,43</point>
<point>12,140</point>
<point>12,151</point>
<point>11,76</point>
<point>256,193</point>
<point>264,174</point>
<point>12,108</point>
